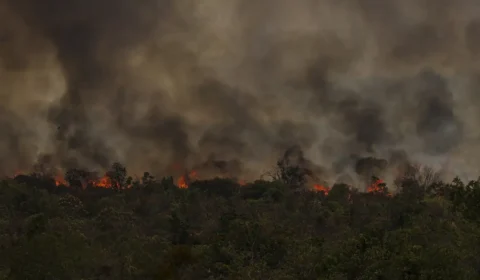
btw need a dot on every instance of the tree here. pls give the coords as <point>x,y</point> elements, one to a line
<point>118,175</point>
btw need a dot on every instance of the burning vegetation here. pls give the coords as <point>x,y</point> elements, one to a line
<point>293,169</point>
<point>117,227</point>
<point>206,95</point>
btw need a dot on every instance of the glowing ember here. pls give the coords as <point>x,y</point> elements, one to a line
<point>320,188</point>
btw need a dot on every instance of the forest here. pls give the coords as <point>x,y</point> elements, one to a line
<point>221,89</point>
<point>274,228</point>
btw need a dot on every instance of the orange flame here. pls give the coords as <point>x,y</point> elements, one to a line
<point>321,188</point>
<point>59,181</point>
<point>181,183</point>
<point>184,180</point>
<point>378,187</point>
<point>104,182</point>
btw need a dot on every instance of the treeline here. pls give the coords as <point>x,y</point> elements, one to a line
<point>217,229</point>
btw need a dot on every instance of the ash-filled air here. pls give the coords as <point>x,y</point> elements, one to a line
<point>233,84</point>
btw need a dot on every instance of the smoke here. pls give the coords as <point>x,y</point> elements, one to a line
<point>156,83</point>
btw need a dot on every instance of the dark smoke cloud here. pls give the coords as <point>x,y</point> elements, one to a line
<point>228,86</point>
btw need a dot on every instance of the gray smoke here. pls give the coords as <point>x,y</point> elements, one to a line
<point>155,83</point>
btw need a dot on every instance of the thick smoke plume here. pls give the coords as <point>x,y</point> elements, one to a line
<point>161,83</point>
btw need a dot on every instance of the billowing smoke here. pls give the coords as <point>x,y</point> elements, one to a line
<point>158,83</point>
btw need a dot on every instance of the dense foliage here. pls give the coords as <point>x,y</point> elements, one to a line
<point>217,229</point>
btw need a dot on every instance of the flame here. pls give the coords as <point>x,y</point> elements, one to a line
<point>104,182</point>
<point>321,188</point>
<point>181,183</point>
<point>184,180</point>
<point>59,181</point>
<point>378,187</point>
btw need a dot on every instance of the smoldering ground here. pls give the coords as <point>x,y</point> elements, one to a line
<point>156,82</point>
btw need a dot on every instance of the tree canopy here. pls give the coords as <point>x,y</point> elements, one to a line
<point>220,229</point>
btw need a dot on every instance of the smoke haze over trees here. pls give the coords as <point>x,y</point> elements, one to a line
<point>161,83</point>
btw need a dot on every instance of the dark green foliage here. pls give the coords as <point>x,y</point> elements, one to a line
<point>217,186</point>
<point>217,229</point>
<point>77,178</point>
<point>261,189</point>
<point>118,176</point>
